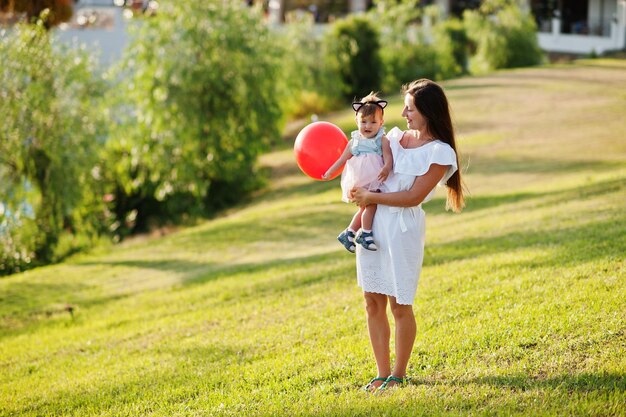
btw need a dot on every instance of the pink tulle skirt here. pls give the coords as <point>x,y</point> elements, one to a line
<point>361,171</point>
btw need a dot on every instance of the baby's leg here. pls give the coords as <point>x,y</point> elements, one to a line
<point>368,217</point>
<point>355,224</point>
<point>366,238</point>
<point>346,238</point>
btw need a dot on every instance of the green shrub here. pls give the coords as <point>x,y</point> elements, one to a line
<point>195,105</point>
<point>417,60</point>
<point>504,35</point>
<point>307,84</point>
<point>306,103</point>
<point>406,54</point>
<point>50,136</point>
<point>452,48</point>
<point>19,234</point>
<point>353,52</point>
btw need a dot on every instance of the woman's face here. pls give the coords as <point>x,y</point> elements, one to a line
<point>414,119</point>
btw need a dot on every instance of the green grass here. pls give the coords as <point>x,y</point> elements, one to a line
<point>520,307</point>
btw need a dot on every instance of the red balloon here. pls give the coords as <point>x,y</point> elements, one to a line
<point>317,147</point>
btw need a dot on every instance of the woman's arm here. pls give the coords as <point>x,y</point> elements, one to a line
<point>339,162</point>
<point>412,197</point>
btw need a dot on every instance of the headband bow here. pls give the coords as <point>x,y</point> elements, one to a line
<point>357,104</point>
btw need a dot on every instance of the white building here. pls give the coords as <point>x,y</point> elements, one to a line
<point>98,24</point>
<point>570,26</point>
<point>584,27</point>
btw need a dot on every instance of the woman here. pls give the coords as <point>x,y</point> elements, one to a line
<point>424,155</point>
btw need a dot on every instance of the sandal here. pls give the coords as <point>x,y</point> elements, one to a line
<point>366,239</point>
<point>368,387</point>
<point>346,238</point>
<point>398,381</point>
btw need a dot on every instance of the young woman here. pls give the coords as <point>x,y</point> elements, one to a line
<point>424,156</point>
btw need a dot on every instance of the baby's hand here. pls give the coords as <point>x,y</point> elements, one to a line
<point>384,173</point>
<point>326,176</point>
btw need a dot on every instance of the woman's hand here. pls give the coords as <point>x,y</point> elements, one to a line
<point>360,196</point>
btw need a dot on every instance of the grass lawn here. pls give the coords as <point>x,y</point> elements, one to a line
<point>521,306</point>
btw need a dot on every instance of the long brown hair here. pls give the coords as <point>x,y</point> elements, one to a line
<point>431,102</point>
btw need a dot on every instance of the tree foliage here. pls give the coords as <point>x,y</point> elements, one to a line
<point>49,138</point>
<point>54,11</point>
<point>195,104</point>
<point>307,83</point>
<point>504,35</point>
<point>453,47</point>
<point>407,53</point>
<point>353,52</point>
<point>200,93</point>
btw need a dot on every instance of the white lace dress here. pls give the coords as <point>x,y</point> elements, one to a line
<point>394,269</point>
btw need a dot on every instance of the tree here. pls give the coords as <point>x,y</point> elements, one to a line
<point>55,11</point>
<point>50,133</point>
<point>353,50</point>
<point>194,106</point>
<point>504,34</point>
<point>307,83</point>
<point>406,55</point>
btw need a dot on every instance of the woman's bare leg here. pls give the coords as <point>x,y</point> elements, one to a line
<point>378,327</point>
<point>405,336</point>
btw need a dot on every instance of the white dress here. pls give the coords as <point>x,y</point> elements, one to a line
<point>394,269</point>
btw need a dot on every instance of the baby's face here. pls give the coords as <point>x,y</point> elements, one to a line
<point>369,125</point>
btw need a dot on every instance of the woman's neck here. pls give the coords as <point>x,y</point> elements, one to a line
<point>422,136</point>
<point>415,139</point>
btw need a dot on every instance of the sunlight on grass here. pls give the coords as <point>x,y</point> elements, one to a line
<point>520,307</point>
<point>479,139</point>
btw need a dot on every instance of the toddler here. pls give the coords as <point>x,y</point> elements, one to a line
<point>368,164</point>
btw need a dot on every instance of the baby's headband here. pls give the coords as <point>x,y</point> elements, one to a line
<point>357,104</point>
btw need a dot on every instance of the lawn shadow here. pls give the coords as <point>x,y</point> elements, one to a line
<point>287,180</point>
<point>24,302</point>
<point>173,265</point>
<point>296,190</point>
<point>437,206</point>
<point>471,86</point>
<point>582,382</point>
<point>140,390</point>
<point>30,303</point>
<point>550,198</point>
<point>518,165</point>
<point>508,396</point>
<point>280,227</point>
<point>567,246</point>
<point>548,75</point>
<point>284,273</point>
<point>617,65</point>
